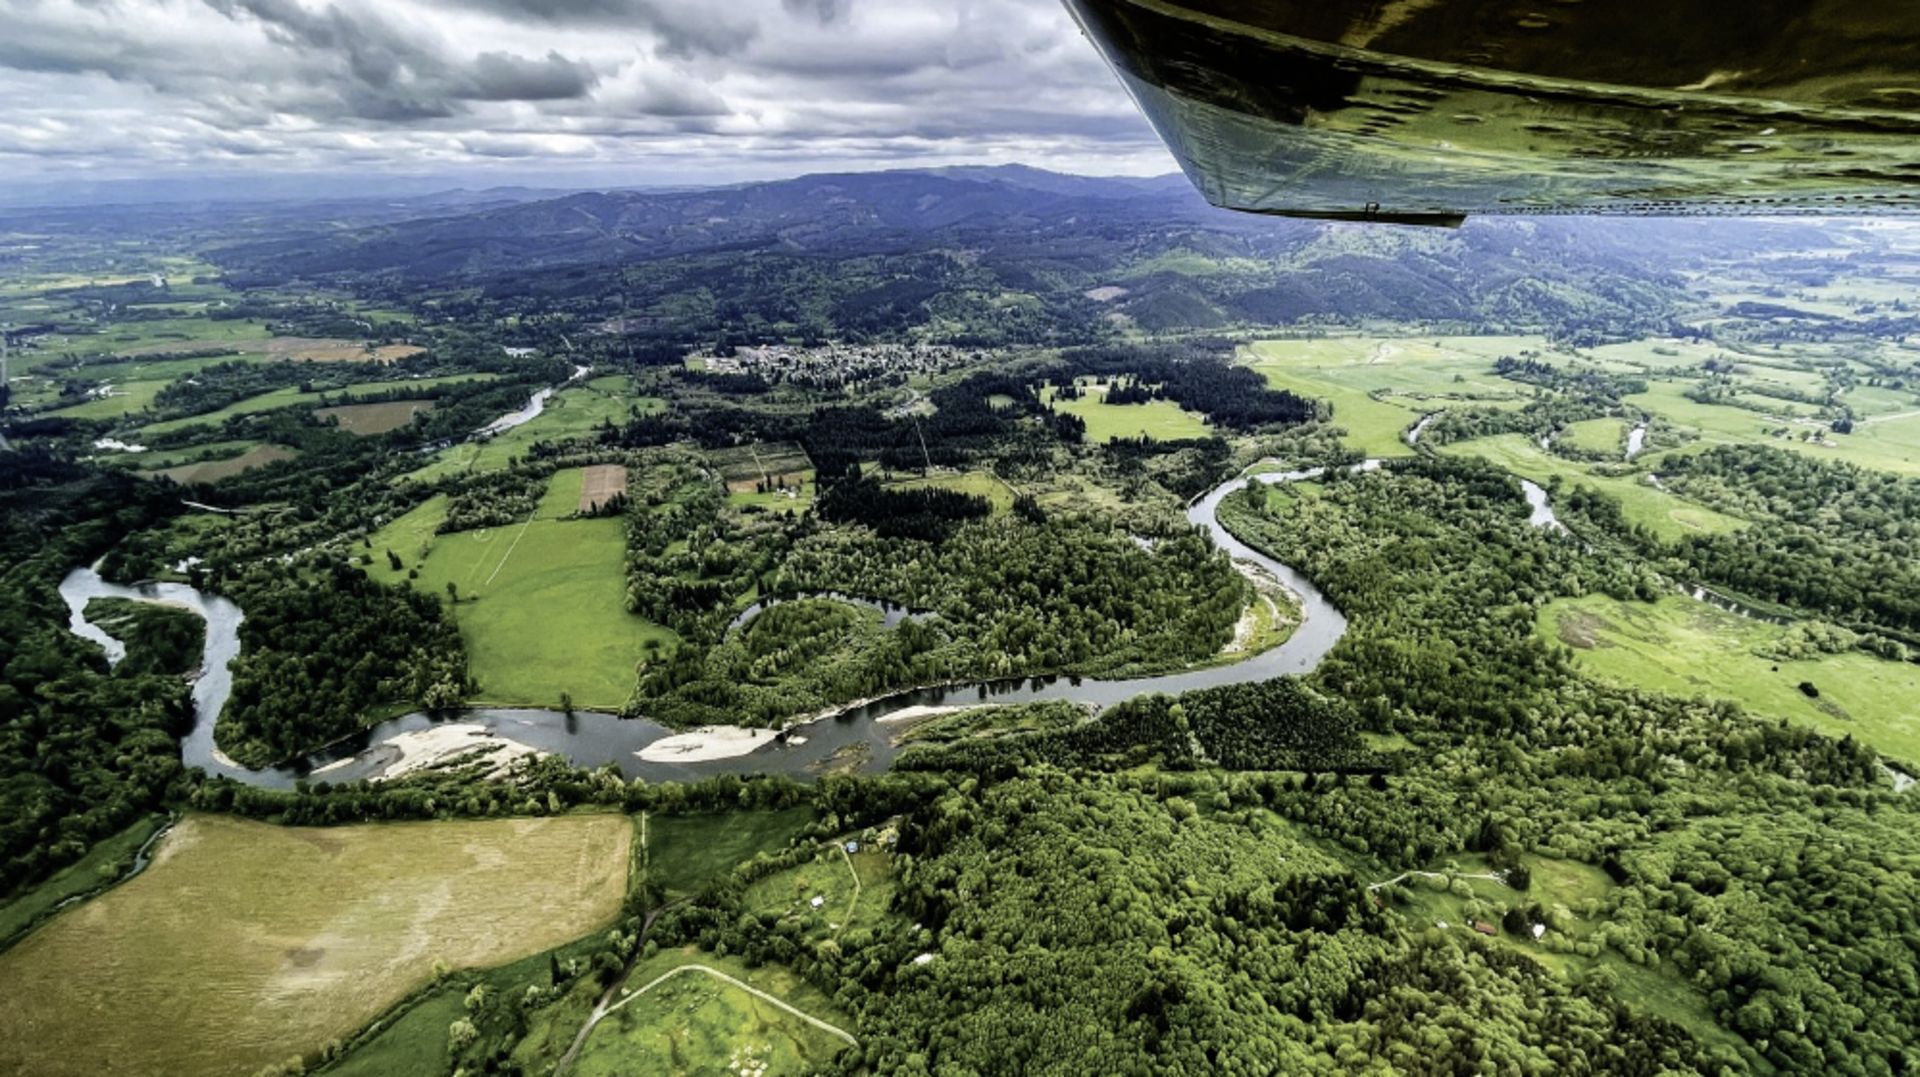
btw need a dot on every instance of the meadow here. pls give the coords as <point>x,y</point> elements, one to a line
<point>1378,387</point>
<point>853,890</point>
<point>245,943</point>
<point>368,419</point>
<point>1665,514</point>
<point>224,467</point>
<point>542,603</point>
<point>1689,648</point>
<point>121,399</point>
<point>977,483</point>
<point>1160,420</point>
<point>691,1022</point>
<point>685,854</point>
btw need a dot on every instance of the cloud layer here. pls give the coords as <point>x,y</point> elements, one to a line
<point>659,90</point>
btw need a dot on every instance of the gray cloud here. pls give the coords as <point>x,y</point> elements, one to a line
<point>679,88</point>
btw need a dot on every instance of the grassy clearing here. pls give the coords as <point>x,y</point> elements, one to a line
<point>1380,386</point>
<point>795,496</point>
<point>106,861</point>
<point>1573,894</point>
<point>571,413</point>
<point>247,943</point>
<point>122,398</point>
<point>1605,436</point>
<point>695,1023</point>
<point>685,854</point>
<point>852,890</point>
<point>369,419</point>
<point>1689,648</point>
<point>542,606</point>
<point>1160,420</point>
<point>416,1041</point>
<point>1666,514</point>
<point>978,483</point>
<point>225,467</point>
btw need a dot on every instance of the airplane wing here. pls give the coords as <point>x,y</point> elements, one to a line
<point>1425,111</point>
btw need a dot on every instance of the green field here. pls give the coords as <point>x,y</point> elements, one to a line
<point>246,943</point>
<point>542,605</point>
<point>1689,648</point>
<point>571,413</point>
<point>1378,387</point>
<point>1160,420</point>
<point>853,890</point>
<point>224,467</point>
<point>1599,436</point>
<point>124,397</point>
<point>978,483</point>
<point>293,397</point>
<point>1665,514</point>
<point>692,1022</point>
<point>685,854</point>
<point>1889,441</point>
<point>369,419</point>
<point>416,1041</point>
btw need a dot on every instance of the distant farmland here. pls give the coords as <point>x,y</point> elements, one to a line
<point>366,419</point>
<point>245,943</point>
<point>215,470</point>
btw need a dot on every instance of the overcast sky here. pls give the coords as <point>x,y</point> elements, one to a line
<point>637,91</point>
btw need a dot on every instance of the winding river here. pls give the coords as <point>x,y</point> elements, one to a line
<point>854,736</point>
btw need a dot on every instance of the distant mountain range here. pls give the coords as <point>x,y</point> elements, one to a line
<point>1026,251</point>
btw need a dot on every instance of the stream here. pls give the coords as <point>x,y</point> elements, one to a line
<point>851,736</point>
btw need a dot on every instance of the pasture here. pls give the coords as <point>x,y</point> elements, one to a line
<point>223,468</point>
<point>1159,420</point>
<point>366,420</point>
<point>1378,387</point>
<point>542,603</point>
<point>247,943</point>
<point>1602,437</point>
<point>978,483</point>
<point>1688,648</point>
<point>120,399</point>
<point>851,890</point>
<point>685,854</point>
<point>677,1019</point>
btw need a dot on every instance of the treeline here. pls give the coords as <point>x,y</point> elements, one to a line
<point>926,513</point>
<point>321,649</point>
<point>83,752</point>
<point>1837,540</point>
<point>1279,724</point>
<point>1197,376</point>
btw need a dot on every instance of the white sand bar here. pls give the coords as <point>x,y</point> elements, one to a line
<point>708,742</point>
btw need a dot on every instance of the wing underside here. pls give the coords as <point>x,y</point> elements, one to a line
<point>1424,111</point>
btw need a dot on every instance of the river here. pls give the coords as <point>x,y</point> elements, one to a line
<point>535,405</point>
<point>1636,440</point>
<point>853,735</point>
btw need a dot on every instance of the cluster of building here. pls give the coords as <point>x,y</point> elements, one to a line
<point>835,366</point>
